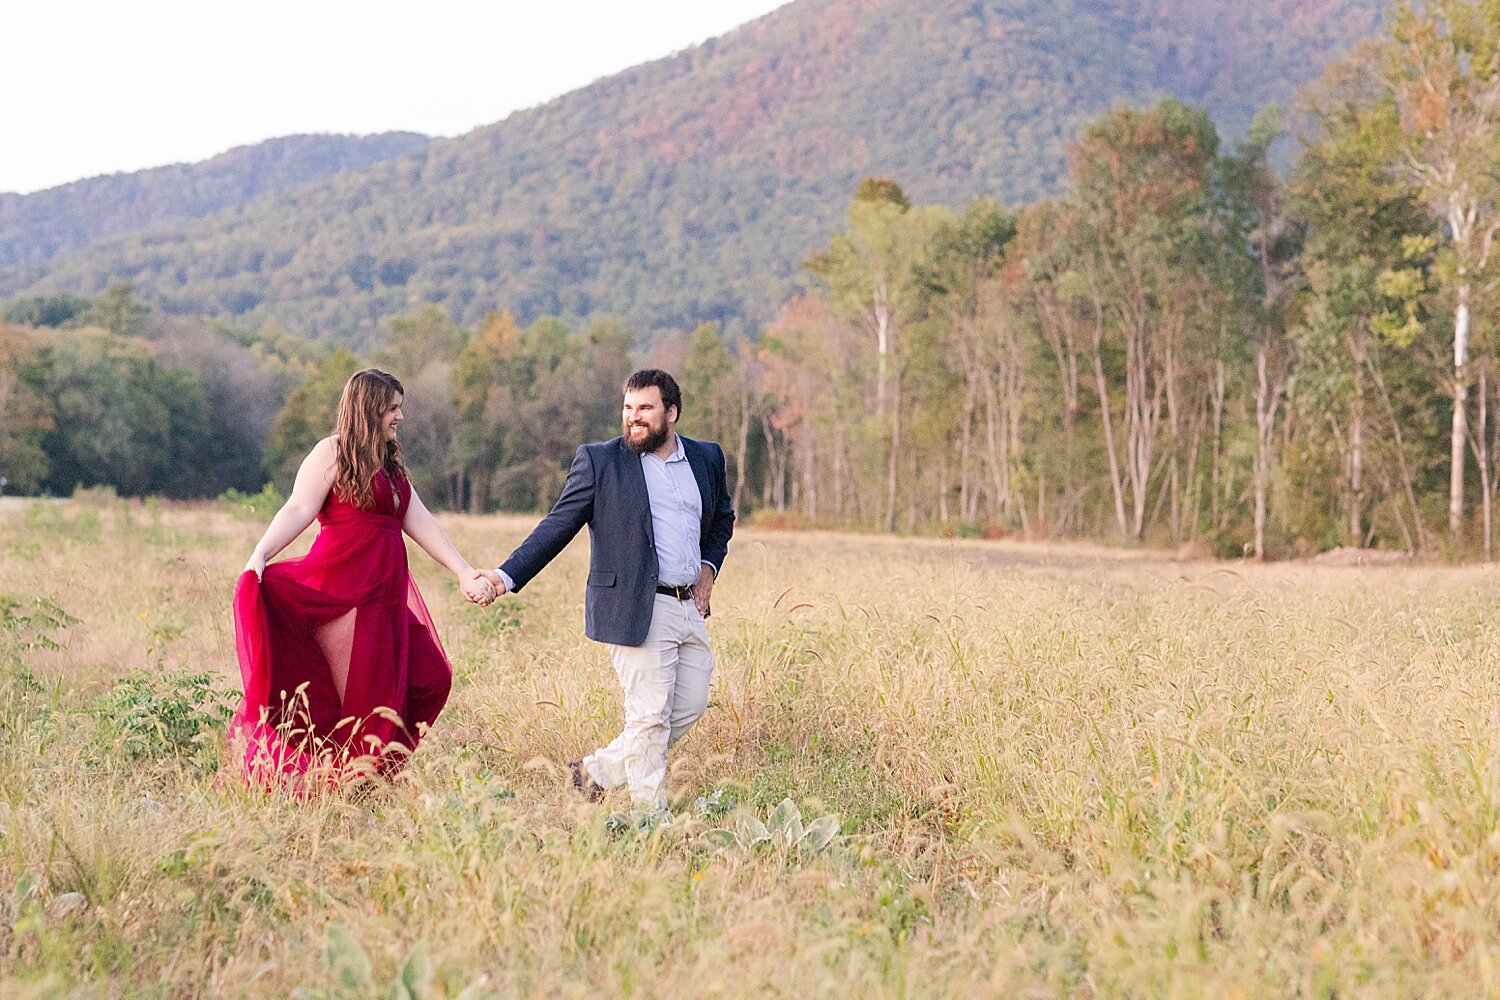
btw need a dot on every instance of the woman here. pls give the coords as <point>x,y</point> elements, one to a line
<point>342,668</point>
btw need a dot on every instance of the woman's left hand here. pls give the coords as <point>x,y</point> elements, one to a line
<point>477,588</point>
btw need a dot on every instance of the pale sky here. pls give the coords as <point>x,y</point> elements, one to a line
<point>99,86</point>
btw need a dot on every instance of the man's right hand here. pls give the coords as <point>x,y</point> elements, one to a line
<point>477,589</point>
<point>493,575</point>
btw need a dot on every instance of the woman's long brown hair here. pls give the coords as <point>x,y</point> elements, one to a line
<point>361,447</point>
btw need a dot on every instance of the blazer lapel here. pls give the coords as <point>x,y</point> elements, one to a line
<point>640,499</point>
<point>699,464</point>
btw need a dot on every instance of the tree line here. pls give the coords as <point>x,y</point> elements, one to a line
<point>1193,345</point>
<point>1189,346</point>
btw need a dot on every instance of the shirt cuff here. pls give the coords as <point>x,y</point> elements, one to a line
<point>510,585</point>
<point>712,567</point>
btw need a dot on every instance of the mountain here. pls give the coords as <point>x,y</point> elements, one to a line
<point>35,228</point>
<point>691,188</point>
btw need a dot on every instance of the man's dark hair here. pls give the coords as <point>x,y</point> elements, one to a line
<point>670,394</point>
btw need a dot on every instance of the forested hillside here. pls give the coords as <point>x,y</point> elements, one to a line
<point>691,189</point>
<point>35,228</point>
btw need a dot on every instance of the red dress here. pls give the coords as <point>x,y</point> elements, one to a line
<point>351,600</point>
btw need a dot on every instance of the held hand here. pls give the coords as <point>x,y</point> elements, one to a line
<point>496,580</point>
<point>256,565</point>
<point>477,589</point>
<point>703,590</point>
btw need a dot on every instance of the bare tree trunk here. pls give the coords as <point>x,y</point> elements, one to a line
<point>1101,387</point>
<point>810,476</point>
<point>995,448</point>
<point>1406,533</point>
<point>1219,390</point>
<point>1041,503</point>
<point>890,486</point>
<point>1267,400</point>
<point>775,487</point>
<point>1460,409</point>
<point>1015,387</point>
<point>1175,511</point>
<point>742,450</point>
<point>1359,354</point>
<point>1357,471</point>
<point>964,443</point>
<point>1479,441</point>
<point>1142,410</point>
<point>1057,326</point>
<point>840,470</point>
<point>882,319</point>
<point>1193,501</point>
<point>943,478</point>
<point>1484,460</point>
<point>1493,450</point>
<point>1406,478</point>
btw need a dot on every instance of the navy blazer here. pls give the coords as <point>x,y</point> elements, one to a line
<point>606,490</point>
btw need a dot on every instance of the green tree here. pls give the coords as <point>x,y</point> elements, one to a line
<point>1443,66</point>
<point>45,310</point>
<point>718,399</point>
<point>418,339</point>
<point>871,274</point>
<point>569,393</point>
<point>25,417</point>
<point>121,419</point>
<point>487,379</point>
<point>709,400</point>
<point>1357,454</point>
<point>1259,287</point>
<point>119,311</point>
<point>977,365</point>
<point>1142,181</point>
<point>421,348</point>
<point>308,416</point>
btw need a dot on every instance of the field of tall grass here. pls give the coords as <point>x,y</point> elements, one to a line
<point>929,769</point>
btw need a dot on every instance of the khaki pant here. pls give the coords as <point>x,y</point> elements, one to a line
<point>665,680</point>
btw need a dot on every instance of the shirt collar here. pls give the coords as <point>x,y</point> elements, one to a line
<point>680,455</point>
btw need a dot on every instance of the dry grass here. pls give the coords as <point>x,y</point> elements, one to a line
<point>1062,772</point>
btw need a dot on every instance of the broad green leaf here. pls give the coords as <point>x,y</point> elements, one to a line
<point>752,830</point>
<point>347,961</point>
<point>783,814</point>
<point>721,839</point>
<point>475,990</point>
<point>415,976</point>
<point>820,833</point>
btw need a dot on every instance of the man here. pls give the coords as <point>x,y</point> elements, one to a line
<point>659,515</point>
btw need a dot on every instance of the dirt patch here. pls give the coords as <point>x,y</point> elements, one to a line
<point>1350,556</point>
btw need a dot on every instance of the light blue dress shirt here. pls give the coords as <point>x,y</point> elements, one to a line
<point>676,516</point>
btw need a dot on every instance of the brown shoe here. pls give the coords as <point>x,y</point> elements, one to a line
<point>585,786</point>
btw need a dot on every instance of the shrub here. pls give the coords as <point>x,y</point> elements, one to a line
<point>253,506</point>
<point>180,717</point>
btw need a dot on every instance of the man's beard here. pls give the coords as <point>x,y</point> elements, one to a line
<point>654,439</point>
